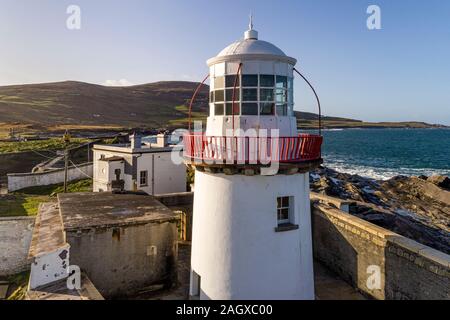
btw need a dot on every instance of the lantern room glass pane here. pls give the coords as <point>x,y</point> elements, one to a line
<point>266,109</point>
<point>281,82</point>
<point>218,109</point>
<point>282,110</point>
<point>219,82</point>
<point>266,95</point>
<point>250,109</point>
<point>250,80</point>
<point>229,94</point>
<point>249,94</point>
<point>281,96</point>
<point>266,80</point>
<point>229,109</point>
<point>229,81</point>
<point>219,96</point>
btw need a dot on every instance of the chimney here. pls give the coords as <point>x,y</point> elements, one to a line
<point>136,140</point>
<point>162,140</point>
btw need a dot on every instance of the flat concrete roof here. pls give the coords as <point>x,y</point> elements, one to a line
<point>126,148</point>
<point>104,209</point>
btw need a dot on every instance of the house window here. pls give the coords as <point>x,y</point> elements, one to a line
<point>143,179</point>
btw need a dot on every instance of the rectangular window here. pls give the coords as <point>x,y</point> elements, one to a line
<point>250,80</point>
<point>250,109</point>
<point>219,96</point>
<point>218,109</point>
<point>266,80</point>
<point>229,94</point>
<point>211,97</point>
<point>143,178</point>
<point>282,82</point>
<point>249,94</point>
<point>266,109</point>
<point>282,110</point>
<point>281,96</point>
<point>229,81</point>
<point>229,109</point>
<point>284,210</point>
<point>219,82</point>
<point>266,95</point>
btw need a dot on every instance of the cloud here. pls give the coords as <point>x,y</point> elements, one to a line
<point>118,83</point>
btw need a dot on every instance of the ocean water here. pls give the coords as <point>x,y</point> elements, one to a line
<point>384,153</point>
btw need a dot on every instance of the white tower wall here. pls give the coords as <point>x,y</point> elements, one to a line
<point>235,249</point>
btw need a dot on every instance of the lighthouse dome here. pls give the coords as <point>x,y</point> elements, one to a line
<point>251,46</point>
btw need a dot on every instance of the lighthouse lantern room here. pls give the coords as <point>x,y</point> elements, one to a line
<point>251,220</point>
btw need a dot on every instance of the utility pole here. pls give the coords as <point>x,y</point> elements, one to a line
<point>66,139</point>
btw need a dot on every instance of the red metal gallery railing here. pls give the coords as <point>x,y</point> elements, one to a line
<point>251,150</point>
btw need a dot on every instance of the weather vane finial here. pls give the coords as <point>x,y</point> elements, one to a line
<point>250,25</point>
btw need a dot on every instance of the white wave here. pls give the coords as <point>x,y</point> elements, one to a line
<point>382,173</point>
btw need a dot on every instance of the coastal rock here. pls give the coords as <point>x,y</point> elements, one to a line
<point>414,207</point>
<point>441,181</point>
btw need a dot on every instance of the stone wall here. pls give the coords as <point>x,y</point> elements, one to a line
<point>17,181</point>
<point>357,250</point>
<point>15,238</point>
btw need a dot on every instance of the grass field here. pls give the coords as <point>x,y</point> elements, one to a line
<point>26,202</point>
<point>37,145</point>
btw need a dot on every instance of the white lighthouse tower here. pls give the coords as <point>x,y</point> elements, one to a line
<point>252,226</point>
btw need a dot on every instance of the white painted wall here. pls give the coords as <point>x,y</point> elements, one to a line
<point>17,181</point>
<point>235,248</point>
<point>15,239</point>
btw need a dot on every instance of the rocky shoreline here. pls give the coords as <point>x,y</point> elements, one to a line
<point>415,207</point>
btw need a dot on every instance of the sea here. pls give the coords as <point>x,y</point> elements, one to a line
<point>384,153</point>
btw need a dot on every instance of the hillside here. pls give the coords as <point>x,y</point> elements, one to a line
<point>87,106</point>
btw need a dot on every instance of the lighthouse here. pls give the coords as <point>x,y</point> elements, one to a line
<point>251,218</point>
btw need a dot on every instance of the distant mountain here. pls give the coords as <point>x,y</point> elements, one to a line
<point>153,105</point>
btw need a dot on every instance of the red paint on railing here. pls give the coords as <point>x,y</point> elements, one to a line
<point>252,150</point>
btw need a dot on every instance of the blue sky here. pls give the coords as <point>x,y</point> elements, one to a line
<point>401,72</point>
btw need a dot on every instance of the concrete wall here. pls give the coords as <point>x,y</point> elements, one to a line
<point>132,256</point>
<point>354,249</point>
<point>17,181</point>
<point>15,238</point>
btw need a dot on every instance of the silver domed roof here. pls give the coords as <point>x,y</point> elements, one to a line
<point>251,46</point>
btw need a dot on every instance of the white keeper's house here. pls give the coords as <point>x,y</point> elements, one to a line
<point>252,222</point>
<point>138,166</point>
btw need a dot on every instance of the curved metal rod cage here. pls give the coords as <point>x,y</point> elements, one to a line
<point>317,98</point>
<point>193,99</point>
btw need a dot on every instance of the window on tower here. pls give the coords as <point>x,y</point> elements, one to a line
<point>230,80</point>
<point>250,94</point>
<point>250,109</point>
<point>250,80</point>
<point>285,214</point>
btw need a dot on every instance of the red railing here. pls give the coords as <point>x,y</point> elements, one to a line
<point>251,150</point>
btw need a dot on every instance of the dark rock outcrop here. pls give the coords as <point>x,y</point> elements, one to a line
<point>415,207</point>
